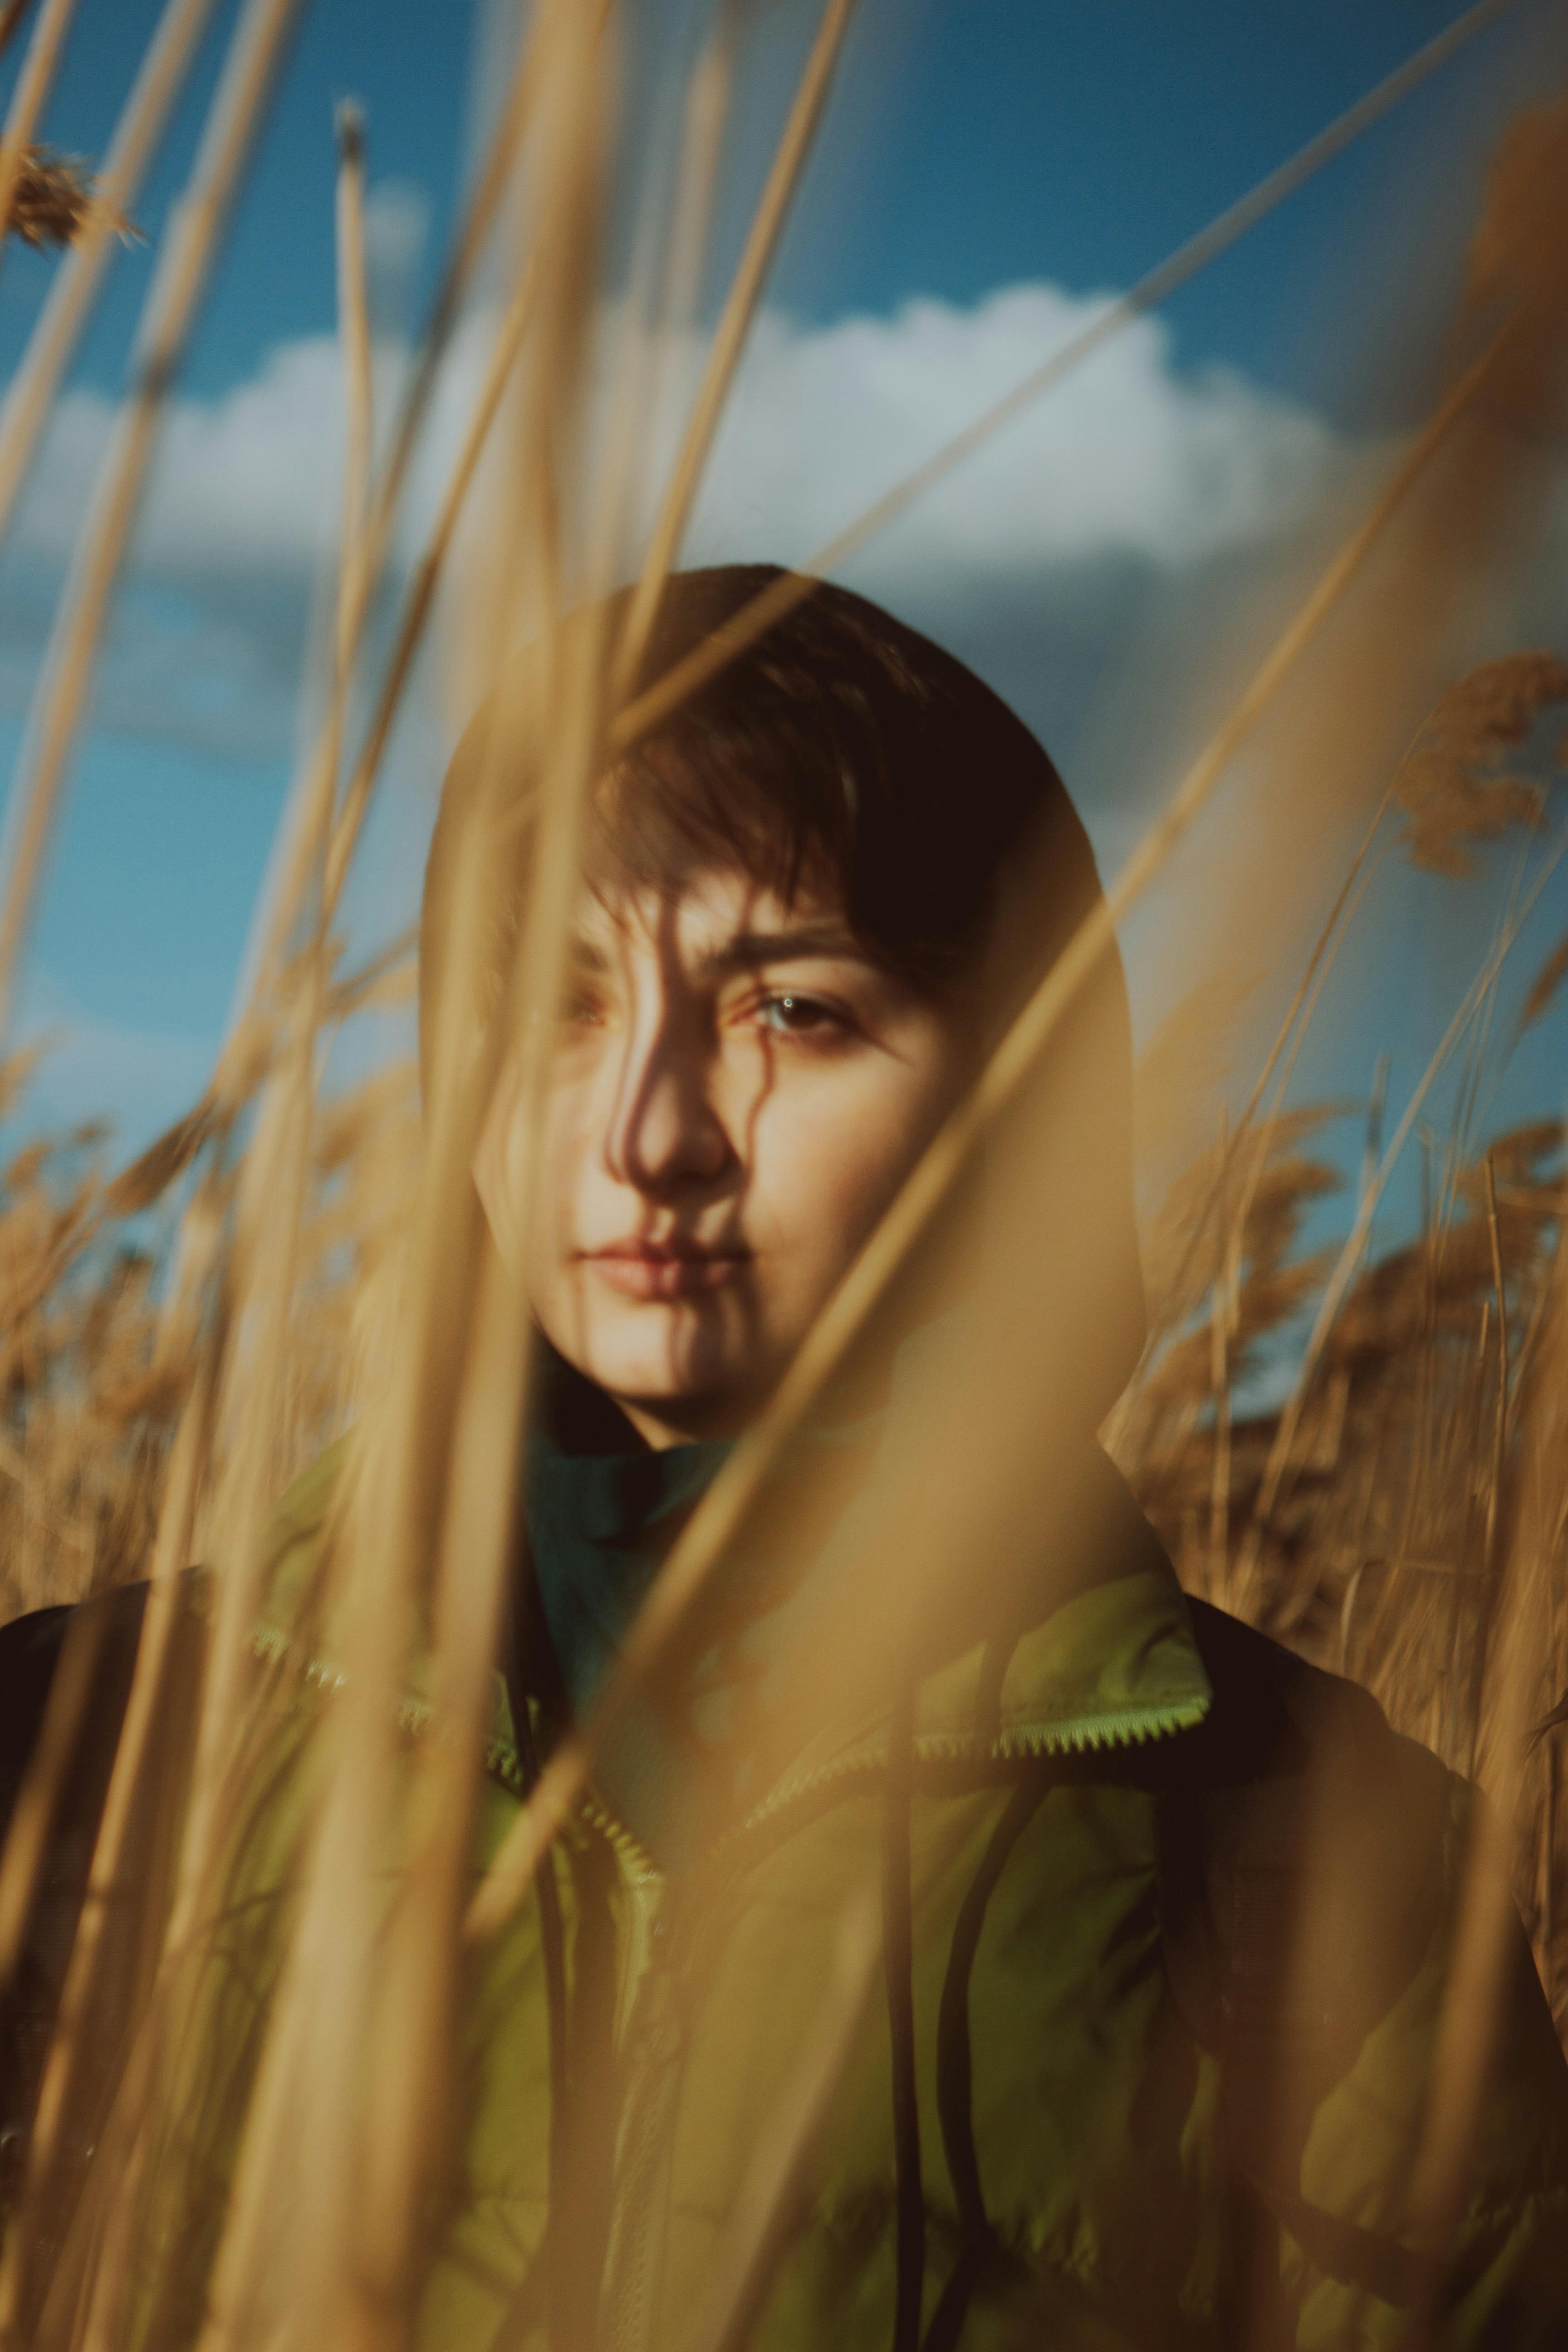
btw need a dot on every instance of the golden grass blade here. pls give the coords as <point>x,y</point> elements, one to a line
<point>495,176</point>
<point>1228,1239</point>
<point>27,100</point>
<point>501,161</point>
<point>189,248</point>
<point>353,339</point>
<point>423,1965</point>
<point>1499,1438</point>
<point>422,589</point>
<point>31,392</point>
<point>729,340</point>
<point>356,554</point>
<point>719,1516</point>
<point>706,121</point>
<point>275,1179</point>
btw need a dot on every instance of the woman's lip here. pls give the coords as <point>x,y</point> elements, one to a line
<point>645,1270</point>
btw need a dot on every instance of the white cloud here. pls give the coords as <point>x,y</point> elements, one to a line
<point>245,484</point>
<point>1129,457</point>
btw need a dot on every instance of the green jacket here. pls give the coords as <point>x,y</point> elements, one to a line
<point>1075,1831</point>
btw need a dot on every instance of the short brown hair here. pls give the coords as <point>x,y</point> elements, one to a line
<point>842,748</point>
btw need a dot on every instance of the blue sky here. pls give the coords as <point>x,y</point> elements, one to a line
<point>986,170</point>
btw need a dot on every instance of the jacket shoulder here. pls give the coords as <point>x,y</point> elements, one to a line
<point>1274,1714</point>
<point>1303,1851</point>
<point>104,1630</point>
<point>30,1650</point>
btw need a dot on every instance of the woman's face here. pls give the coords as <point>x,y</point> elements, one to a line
<point>736,1095</point>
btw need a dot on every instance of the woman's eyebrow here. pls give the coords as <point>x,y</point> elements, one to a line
<point>747,951</point>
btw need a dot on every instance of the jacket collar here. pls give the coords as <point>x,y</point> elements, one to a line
<point>1114,1666</point>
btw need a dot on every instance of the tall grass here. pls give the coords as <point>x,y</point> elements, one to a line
<point>1399,1513</point>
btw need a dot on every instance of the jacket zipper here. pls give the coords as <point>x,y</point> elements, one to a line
<point>653,2050</point>
<point>1127,1727</point>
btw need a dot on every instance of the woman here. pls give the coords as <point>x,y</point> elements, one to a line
<point>1160,1914</point>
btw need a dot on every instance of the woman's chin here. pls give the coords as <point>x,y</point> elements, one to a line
<point>701,1400</point>
<point>660,1352</point>
<point>647,1381</point>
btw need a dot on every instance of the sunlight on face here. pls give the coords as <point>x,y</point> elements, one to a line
<point>737,1094</point>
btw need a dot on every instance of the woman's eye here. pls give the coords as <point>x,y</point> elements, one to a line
<point>582,1009</point>
<point>790,1016</point>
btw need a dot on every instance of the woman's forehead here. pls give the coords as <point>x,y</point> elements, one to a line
<point>715,914</point>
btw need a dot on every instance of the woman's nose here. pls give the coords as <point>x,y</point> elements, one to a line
<point>664,1130</point>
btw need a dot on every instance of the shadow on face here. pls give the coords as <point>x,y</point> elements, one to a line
<point>739,1088</point>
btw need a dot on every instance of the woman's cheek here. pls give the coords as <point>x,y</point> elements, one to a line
<point>840,1152</point>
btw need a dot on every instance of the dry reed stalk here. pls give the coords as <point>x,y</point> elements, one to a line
<point>478,1517</point>
<point>184,262</point>
<point>29,97</point>
<point>500,163</point>
<point>705,116</point>
<point>354,340</point>
<point>497,175</point>
<point>729,337</point>
<point>125,2144</point>
<point>704,123</point>
<point>270,1205</point>
<point>1500,1440</point>
<point>1222,1326</point>
<point>719,1516</point>
<point>306,854</point>
<point>409,2105</point>
<point>304,864</point>
<point>421,588</point>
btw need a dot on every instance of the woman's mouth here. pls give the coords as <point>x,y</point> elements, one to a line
<point>639,1269</point>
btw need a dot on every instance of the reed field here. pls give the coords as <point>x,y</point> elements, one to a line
<point>1358,1444</point>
